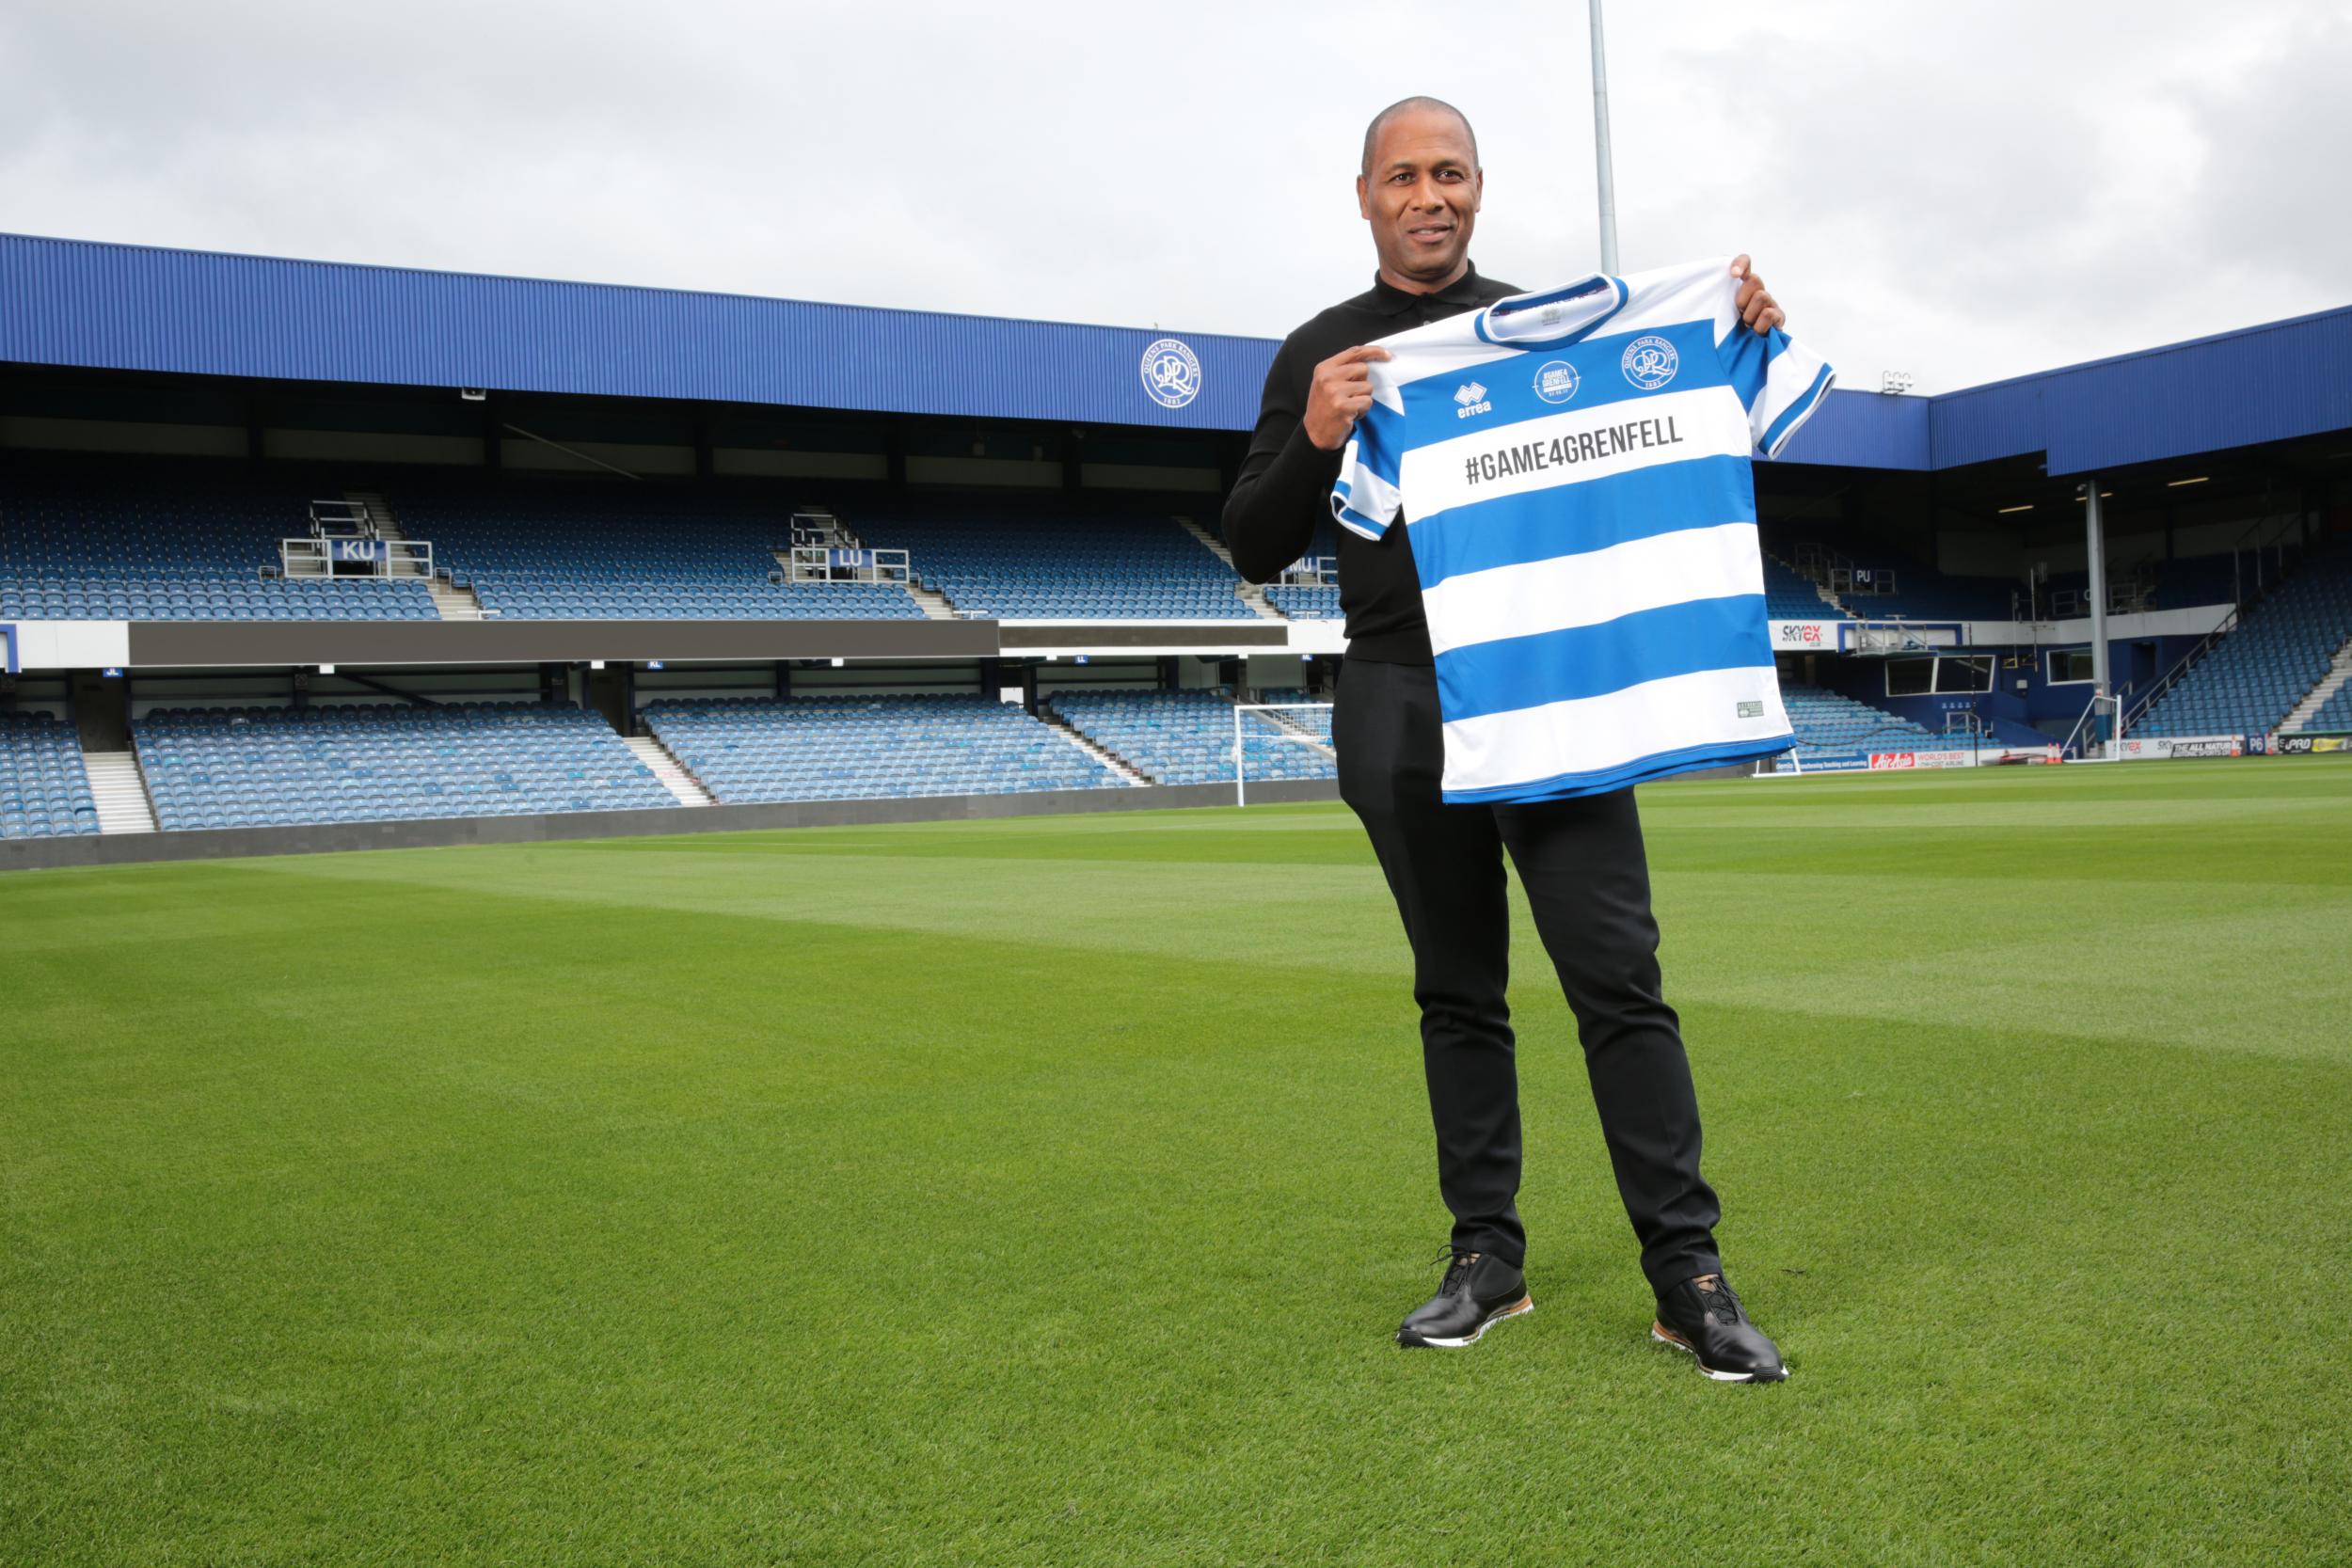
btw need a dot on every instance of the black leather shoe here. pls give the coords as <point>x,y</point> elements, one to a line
<point>1479,1292</point>
<point>1703,1317</point>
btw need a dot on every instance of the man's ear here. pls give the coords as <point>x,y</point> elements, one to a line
<point>1364,201</point>
<point>1478,190</point>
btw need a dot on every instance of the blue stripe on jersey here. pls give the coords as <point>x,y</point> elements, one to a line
<point>1794,413</point>
<point>1562,666</point>
<point>1539,525</point>
<point>1434,411</point>
<point>1747,360</point>
<point>1600,780</point>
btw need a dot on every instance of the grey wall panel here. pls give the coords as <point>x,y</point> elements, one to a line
<point>213,644</point>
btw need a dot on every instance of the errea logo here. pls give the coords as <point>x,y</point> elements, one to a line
<point>1472,397</point>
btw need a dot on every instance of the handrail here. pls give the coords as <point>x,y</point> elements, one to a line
<point>2172,677</point>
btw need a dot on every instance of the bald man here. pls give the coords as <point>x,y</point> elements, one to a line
<point>1581,859</point>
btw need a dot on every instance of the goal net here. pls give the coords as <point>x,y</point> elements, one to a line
<point>1280,740</point>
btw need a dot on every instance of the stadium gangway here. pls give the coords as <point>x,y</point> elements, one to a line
<point>337,517</point>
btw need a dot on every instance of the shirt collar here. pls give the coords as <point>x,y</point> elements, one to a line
<point>1389,300</point>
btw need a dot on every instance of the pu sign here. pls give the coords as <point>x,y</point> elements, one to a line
<point>1803,637</point>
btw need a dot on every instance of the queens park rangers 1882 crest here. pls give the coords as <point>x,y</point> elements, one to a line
<point>1171,373</point>
<point>1650,362</point>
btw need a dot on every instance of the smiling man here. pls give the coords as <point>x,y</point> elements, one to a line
<point>1581,859</point>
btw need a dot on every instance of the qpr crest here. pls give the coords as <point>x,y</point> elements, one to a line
<point>1650,362</point>
<point>1171,373</point>
<point>1556,382</point>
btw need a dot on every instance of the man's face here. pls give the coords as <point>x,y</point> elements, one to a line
<point>1421,195</point>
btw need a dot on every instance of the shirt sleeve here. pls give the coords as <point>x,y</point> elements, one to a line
<point>1780,383</point>
<point>1365,498</point>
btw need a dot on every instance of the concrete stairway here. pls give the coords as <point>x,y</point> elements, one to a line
<point>2339,670</point>
<point>451,604</point>
<point>1827,598</point>
<point>118,790</point>
<point>1249,594</point>
<point>673,773</point>
<point>1110,759</point>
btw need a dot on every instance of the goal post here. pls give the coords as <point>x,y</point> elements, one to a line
<point>1311,729</point>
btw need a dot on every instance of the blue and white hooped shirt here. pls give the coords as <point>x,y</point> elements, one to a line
<point>1573,469</point>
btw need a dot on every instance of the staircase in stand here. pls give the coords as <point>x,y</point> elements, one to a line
<point>1249,594</point>
<point>2339,670</point>
<point>1110,759</point>
<point>673,773</point>
<point>1819,587</point>
<point>452,603</point>
<point>448,603</point>
<point>118,790</point>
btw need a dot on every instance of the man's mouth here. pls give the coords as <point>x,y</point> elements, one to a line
<point>1429,233</point>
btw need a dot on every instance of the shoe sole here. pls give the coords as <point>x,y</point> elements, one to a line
<point>1665,1335</point>
<point>1518,1309</point>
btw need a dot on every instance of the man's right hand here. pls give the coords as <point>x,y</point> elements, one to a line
<point>1341,391</point>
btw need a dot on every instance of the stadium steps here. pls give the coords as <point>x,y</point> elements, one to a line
<point>1827,598</point>
<point>449,603</point>
<point>1247,593</point>
<point>1127,772</point>
<point>2339,670</point>
<point>667,768</point>
<point>118,790</point>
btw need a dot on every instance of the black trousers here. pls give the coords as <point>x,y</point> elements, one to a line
<point>1587,880</point>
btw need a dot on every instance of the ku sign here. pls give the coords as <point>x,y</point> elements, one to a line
<point>354,549</point>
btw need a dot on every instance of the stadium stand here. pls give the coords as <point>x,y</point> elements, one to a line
<point>1097,566</point>
<point>1789,597</point>
<point>1178,737</point>
<point>2333,714</point>
<point>586,552</point>
<point>748,751</point>
<point>44,790</point>
<point>1304,601</point>
<point>268,767</point>
<point>171,543</point>
<point>1831,724</point>
<point>1920,590</point>
<point>2255,675</point>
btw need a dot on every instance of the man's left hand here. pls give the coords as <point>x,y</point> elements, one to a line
<point>1755,305</point>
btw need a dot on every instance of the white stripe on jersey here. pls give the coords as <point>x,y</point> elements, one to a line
<point>1595,735</point>
<point>1706,421</point>
<point>1599,585</point>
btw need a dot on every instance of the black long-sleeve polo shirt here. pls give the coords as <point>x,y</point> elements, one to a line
<point>1284,487</point>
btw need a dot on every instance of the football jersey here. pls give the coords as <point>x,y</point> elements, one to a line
<point>1572,466</point>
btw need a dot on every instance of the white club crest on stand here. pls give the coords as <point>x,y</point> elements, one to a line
<point>1171,372</point>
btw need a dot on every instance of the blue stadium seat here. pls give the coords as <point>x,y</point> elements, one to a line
<point>748,751</point>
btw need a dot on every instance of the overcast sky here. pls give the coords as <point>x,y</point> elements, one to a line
<point>1964,192</point>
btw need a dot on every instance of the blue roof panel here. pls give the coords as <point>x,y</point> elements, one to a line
<point>82,303</point>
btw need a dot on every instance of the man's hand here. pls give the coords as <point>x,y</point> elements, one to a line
<point>1756,308</point>
<point>1341,391</point>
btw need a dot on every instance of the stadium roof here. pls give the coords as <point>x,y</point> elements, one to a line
<point>113,306</point>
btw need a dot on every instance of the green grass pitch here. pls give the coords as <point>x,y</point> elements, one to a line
<point>1046,1192</point>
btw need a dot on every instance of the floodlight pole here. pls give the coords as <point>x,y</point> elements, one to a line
<point>2096,548</point>
<point>1600,149</point>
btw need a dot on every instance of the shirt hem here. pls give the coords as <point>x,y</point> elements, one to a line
<point>1561,787</point>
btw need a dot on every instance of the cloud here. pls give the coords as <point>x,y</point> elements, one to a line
<point>1962,192</point>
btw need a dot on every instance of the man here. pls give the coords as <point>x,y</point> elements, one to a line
<point>1581,859</point>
